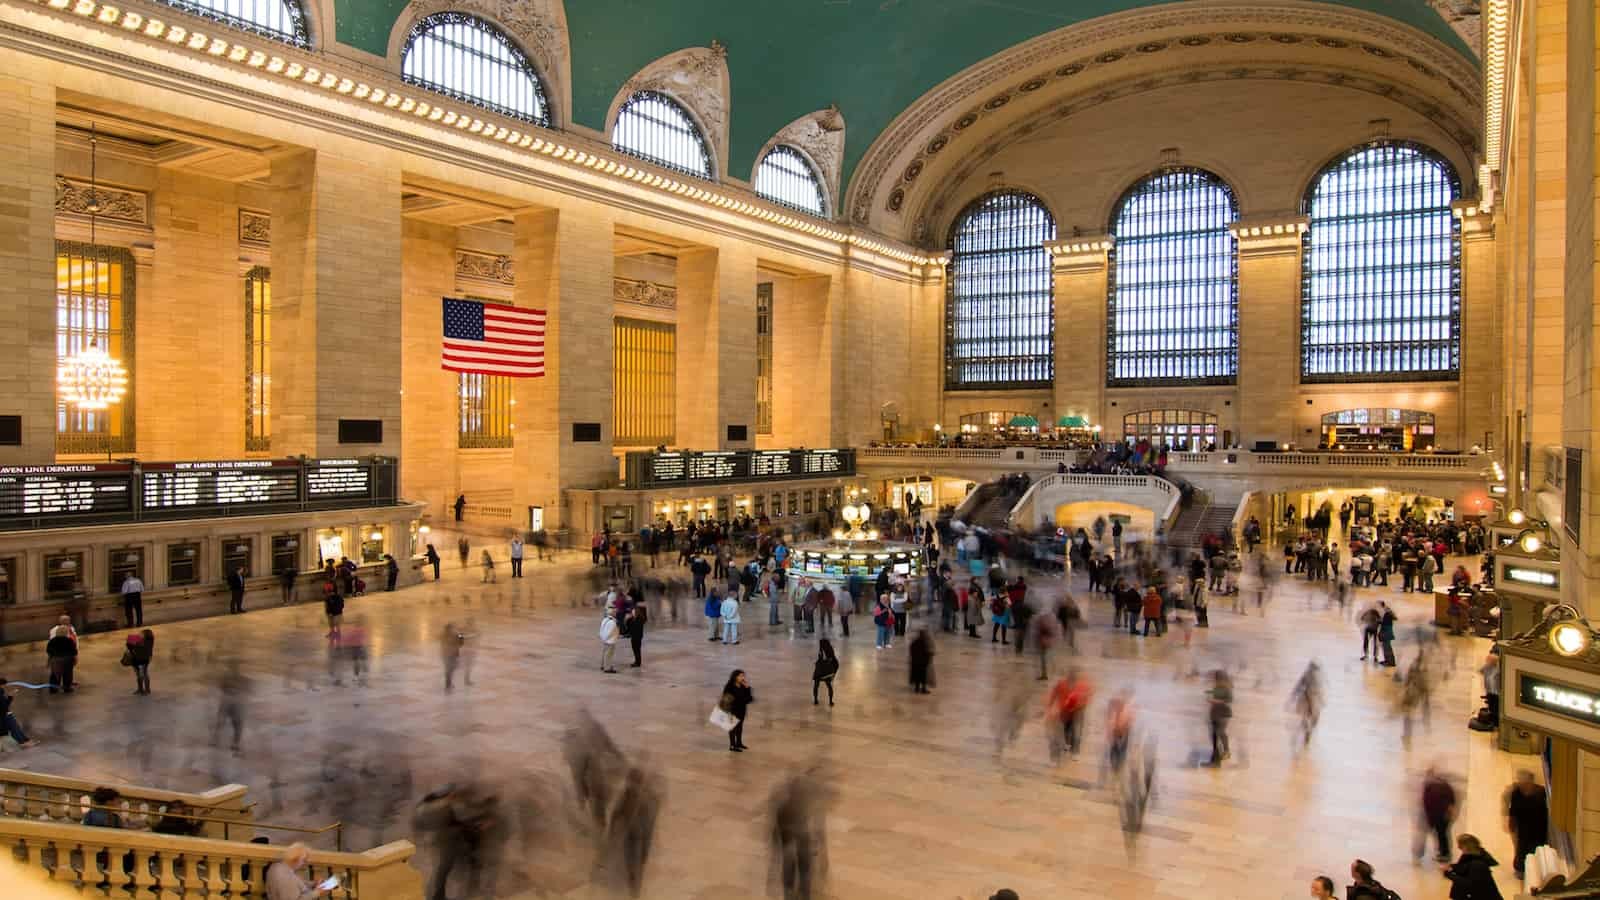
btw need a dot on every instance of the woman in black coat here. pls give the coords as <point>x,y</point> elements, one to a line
<point>822,673</point>
<point>1470,878</point>
<point>736,700</point>
<point>638,615</point>
<point>921,661</point>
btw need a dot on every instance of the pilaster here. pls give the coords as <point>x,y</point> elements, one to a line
<point>1269,326</point>
<point>27,257</point>
<point>1082,270</point>
<point>428,444</point>
<point>716,342</point>
<point>1481,360</point>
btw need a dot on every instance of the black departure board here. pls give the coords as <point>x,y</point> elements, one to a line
<point>328,479</point>
<point>233,483</point>
<point>713,467</point>
<point>66,489</point>
<point>64,494</point>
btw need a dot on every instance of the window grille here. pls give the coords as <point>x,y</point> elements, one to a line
<point>654,127</point>
<point>485,419</point>
<point>645,393</point>
<point>1173,307</point>
<point>258,359</point>
<point>764,358</point>
<point>95,303</point>
<point>1175,429</point>
<point>1381,280</point>
<point>1000,296</point>
<point>282,20</point>
<point>469,59</point>
<point>786,177</point>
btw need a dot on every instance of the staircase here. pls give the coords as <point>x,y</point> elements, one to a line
<point>1199,520</point>
<point>994,512</point>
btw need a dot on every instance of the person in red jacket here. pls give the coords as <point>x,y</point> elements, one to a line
<point>1068,699</point>
<point>1152,612</point>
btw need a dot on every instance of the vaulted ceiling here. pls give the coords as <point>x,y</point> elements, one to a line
<point>786,58</point>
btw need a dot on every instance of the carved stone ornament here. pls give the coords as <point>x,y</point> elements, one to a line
<point>474,265</point>
<point>255,228</point>
<point>75,197</point>
<point>644,293</point>
<point>696,77</point>
<point>821,136</point>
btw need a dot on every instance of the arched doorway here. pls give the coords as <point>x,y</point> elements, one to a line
<point>1380,428</point>
<point>1175,429</point>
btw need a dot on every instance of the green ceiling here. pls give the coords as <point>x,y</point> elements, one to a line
<point>786,58</point>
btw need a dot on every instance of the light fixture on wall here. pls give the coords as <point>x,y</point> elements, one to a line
<point>92,379</point>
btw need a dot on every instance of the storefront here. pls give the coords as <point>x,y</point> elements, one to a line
<point>1378,429</point>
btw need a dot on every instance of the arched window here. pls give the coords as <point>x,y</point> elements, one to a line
<point>653,126</point>
<point>786,177</point>
<point>1381,283</point>
<point>1173,314</point>
<point>282,20</point>
<point>469,59</point>
<point>1000,296</point>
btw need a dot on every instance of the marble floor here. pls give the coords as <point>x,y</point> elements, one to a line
<point>926,809</point>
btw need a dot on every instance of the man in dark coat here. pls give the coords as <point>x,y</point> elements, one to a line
<point>236,590</point>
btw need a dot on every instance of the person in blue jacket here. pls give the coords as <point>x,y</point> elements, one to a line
<point>714,614</point>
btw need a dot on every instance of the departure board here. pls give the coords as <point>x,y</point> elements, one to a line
<point>65,489</point>
<point>328,479</point>
<point>711,467</point>
<point>230,483</point>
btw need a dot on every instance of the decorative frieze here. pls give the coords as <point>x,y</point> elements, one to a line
<point>255,228</point>
<point>79,198</point>
<point>1269,234</point>
<point>1080,253</point>
<point>475,265</point>
<point>644,293</point>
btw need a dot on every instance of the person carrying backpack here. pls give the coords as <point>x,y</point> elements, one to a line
<point>883,617</point>
<point>1366,887</point>
<point>999,617</point>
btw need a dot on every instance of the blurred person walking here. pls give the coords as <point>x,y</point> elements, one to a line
<point>1437,814</point>
<point>487,562</point>
<point>609,631</point>
<point>1527,818</point>
<point>824,670</point>
<point>633,825</point>
<point>799,860</point>
<point>62,652</point>
<point>1219,704</point>
<point>450,651</point>
<point>1470,878</point>
<point>8,719</point>
<point>140,650</point>
<point>921,662</point>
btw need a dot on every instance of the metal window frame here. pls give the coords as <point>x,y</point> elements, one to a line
<point>298,35</point>
<point>77,440</point>
<point>764,363</point>
<point>1041,360</point>
<point>519,64</point>
<point>796,179</point>
<point>1386,268</point>
<point>645,381</point>
<point>655,133</point>
<point>1178,282</point>
<point>483,412</point>
<point>257,432</point>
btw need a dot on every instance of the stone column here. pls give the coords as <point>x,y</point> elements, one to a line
<point>1082,266</point>
<point>428,444</point>
<point>27,257</point>
<point>1481,361</point>
<point>336,309</point>
<point>716,346</point>
<point>564,263</point>
<point>1269,327</point>
<point>807,361</point>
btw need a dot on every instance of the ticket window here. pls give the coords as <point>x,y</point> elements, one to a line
<point>371,544</point>
<point>760,505</point>
<point>619,519</point>
<point>794,503</point>
<point>330,546</point>
<point>183,563</point>
<point>807,502</point>
<point>236,554</point>
<point>285,552</point>
<point>123,561</point>
<point>777,505</point>
<point>63,572</point>
<point>9,568</point>
<point>722,509</point>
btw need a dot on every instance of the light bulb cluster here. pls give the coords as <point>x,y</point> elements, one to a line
<point>91,379</point>
<point>430,110</point>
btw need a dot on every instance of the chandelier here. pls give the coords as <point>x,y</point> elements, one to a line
<point>91,379</point>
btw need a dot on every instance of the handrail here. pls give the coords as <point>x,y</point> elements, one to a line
<point>1151,482</point>
<point>337,827</point>
<point>175,866</point>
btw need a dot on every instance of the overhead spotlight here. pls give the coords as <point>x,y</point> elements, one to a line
<point>1569,638</point>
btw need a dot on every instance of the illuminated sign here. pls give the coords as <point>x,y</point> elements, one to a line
<point>723,466</point>
<point>1536,577</point>
<point>1537,692</point>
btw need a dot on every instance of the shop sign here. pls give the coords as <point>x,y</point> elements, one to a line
<point>1538,692</point>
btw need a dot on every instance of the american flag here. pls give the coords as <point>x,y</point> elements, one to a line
<point>493,339</point>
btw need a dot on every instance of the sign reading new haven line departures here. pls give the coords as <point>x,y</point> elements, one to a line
<point>719,466</point>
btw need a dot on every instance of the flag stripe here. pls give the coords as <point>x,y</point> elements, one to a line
<point>492,339</point>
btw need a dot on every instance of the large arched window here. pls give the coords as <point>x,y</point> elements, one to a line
<point>469,59</point>
<point>282,20</point>
<point>1173,308</point>
<point>1381,295</point>
<point>653,126</point>
<point>1000,296</point>
<point>785,176</point>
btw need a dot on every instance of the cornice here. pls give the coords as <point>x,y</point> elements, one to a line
<point>274,80</point>
<point>1270,235</point>
<point>1109,40</point>
<point>1081,253</point>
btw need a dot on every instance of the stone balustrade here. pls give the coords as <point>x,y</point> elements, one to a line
<point>114,862</point>
<point>54,798</point>
<point>1021,458</point>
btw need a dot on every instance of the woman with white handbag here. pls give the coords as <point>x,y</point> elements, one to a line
<point>731,707</point>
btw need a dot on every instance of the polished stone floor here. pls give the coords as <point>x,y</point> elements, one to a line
<point>926,808</point>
